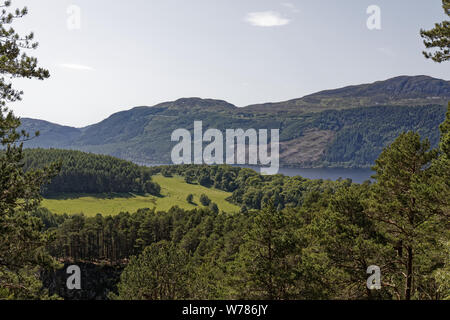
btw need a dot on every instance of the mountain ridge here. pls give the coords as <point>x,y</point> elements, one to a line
<point>400,85</point>
<point>208,102</point>
<point>423,89</point>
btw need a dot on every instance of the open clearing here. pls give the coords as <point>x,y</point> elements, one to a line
<point>173,193</point>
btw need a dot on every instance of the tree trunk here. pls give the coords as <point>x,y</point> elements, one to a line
<point>409,274</point>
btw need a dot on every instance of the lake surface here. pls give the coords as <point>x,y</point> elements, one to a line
<point>357,175</point>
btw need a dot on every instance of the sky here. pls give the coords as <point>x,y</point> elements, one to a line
<point>108,56</point>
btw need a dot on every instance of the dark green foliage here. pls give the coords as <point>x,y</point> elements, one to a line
<point>191,235</point>
<point>271,257</point>
<point>406,204</point>
<point>22,244</point>
<point>213,207</point>
<point>204,200</point>
<point>353,242</point>
<point>166,173</point>
<point>445,135</point>
<point>363,133</point>
<point>119,237</point>
<point>438,38</point>
<point>161,272</point>
<point>88,173</point>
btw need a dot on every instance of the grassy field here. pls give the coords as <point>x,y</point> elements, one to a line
<point>173,190</point>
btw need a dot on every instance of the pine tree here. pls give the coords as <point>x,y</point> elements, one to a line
<point>442,275</point>
<point>445,135</point>
<point>353,242</point>
<point>21,242</point>
<point>270,257</point>
<point>213,207</point>
<point>441,166</point>
<point>161,272</point>
<point>438,37</point>
<point>204,200</point>
<point>406,203</point>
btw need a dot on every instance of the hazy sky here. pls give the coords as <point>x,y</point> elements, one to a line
<point>143,52</point>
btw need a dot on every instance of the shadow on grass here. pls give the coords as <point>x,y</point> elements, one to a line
<point>100,196</point>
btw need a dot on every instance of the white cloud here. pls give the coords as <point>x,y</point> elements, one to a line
<point>76,67</point>
<point>266,19</point>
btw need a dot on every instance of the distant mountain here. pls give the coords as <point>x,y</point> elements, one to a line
<point>343,127</point>
<point>127,125</point>
<point>51,135</point>
<point>403,90</point>
<point>403,87</point>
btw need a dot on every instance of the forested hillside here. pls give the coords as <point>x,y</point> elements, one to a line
<point>362,133</point>
<point>344,127</point>
<point>88,173</point>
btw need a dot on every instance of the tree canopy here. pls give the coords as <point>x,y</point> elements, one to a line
<point>438,38</point>
<point>22,244</point>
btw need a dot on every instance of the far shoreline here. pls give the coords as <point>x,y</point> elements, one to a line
<point>356,174</point>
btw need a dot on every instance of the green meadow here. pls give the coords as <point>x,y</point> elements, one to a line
<point>173,193</point>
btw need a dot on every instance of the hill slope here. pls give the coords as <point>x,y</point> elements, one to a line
<point>51,135</point>
<point>398,91</point>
